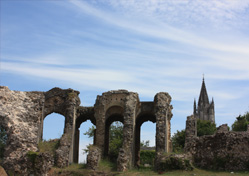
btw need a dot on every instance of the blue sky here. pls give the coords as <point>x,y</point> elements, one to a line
<point>142,46</point>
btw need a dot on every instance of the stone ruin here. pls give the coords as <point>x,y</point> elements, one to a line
<point>22,115</point>
<point>225,150</point>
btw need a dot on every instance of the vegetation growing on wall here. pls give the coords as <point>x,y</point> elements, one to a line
<point>3,140</point>
<point>147,157</point>
<point>178,141</point>
<point>116,139</point>
<point>49,146</point>
<point>203,128</point>
<point>241,122</point>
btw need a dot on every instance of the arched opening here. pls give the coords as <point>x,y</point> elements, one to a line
<point>84,133</point>
<point>3,141</point>
<point>53,126</point>
<point>148,131</point>
<point>86,139</point>
<point>113,132</point>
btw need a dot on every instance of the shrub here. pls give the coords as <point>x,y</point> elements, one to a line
<point>147,157</point>
<point>49,146</point>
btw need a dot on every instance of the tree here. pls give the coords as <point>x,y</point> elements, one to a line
<point>115,139</point>
<point>178,141</point>
<point>3,139</point>
<point>241,122</point>
<point>205,127</point>
<point>145,143</point>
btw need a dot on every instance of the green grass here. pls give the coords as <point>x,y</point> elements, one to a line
<point>108,168</point>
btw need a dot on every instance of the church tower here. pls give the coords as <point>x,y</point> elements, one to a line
<point>205,109</point>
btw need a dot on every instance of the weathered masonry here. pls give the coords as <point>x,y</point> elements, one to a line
<point>22,115</point>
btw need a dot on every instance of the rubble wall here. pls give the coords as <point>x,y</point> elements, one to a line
<point>20,115</point>
<point>225,150</point>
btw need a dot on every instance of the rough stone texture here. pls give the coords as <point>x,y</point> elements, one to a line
<point>222,129</point>
<point>41,165</point>
<point>122,160</point>
<point>93,157</point>
<point>64,102</point>
<point>175,162</point>
<point>222,151</point>
<point>163,115</point>
<point>2,172</point>
<point>190,132</point>
<point>22,115</point>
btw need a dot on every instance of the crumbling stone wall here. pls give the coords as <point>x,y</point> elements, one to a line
<point>64,102</point>
<point>225,150</point>
<point>163,115</point>
<point>22,115</point>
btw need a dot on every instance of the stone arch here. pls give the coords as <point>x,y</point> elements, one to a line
<point>83,114</point>
<point>141,118</point>
<point>114,113</point>
<point>55,104</point>
<point>47,121</point>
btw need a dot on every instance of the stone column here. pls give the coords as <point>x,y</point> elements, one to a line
<point>127,152</point>
<point>64,154</point>
<point>76,146</point>
<point>190,132</point>
<point>163,115</point>
<point>99,114</point>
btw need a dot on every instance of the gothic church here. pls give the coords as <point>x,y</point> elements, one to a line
<point>205,109</point>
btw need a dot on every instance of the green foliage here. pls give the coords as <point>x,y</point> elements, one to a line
<point>220,162</point>
<point>178,141</point>
<point>90,132</point>
<point>147,157</point>
<point>241,122</point>
<point>205,127</point>
<point>174,163</point>
<point>3,140</point>
<point>145,143</point>
<point>115,140</point>
<point>49,146</point>
<point>32,156</point>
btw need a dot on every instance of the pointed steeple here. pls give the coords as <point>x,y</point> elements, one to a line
<point>203,98</point>
<point>194,107</point>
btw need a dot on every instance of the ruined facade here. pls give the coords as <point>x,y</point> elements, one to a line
<point>205,109</point>
<point>22,115</point>
<point>225,150</point>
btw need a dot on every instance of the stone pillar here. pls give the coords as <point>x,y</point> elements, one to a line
<point>127,152</point>
<point>222,129</point>
<point>76,146</point>
<point>190,132</point>
<point>163,115</point>
<point>137,145</point>
<point>64,154</point>
<point>99,114</point>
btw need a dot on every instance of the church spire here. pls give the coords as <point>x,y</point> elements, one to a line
<point>203,98</point>
<point>194,107</point>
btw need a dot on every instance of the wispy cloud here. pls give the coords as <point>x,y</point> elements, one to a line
<point>143,46</point>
